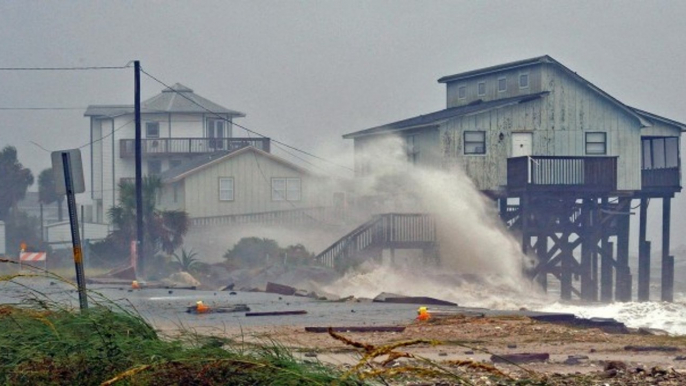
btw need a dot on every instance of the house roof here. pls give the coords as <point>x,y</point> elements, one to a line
<point>433,119</point>
<point>497,68</point>
<point>174,99</point>
<point>549,60</point>
<point>199,163</point>
<point>658,118</point>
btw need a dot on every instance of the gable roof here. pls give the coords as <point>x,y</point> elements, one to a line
<point>174,99</point>
<point>661,119</point>
<point>545,59</point>
<point>433,119</point>
<point>204,161</point>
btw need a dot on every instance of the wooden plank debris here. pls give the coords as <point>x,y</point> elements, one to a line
<point>357,329</point>
<point>386,297</point>
<point>219,310</point>
<point>276,313</point>
<point>280,289</point>
<point>520,358</point>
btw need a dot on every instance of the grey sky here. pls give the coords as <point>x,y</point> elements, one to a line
<point>306,72</point>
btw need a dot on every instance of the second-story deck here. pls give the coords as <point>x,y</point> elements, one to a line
<point>550,173</point>
<point>181,146</point>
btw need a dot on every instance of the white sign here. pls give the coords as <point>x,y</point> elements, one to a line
<point>76,171</point>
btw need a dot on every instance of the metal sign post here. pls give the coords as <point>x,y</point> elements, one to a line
<point>66,159</point>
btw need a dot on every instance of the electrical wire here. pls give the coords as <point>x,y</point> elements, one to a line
<point>82,68</point>
<point>90,142</point>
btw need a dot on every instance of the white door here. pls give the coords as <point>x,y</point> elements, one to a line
<point>522,144</point>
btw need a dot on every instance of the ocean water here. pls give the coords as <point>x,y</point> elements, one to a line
<point>494,292</point>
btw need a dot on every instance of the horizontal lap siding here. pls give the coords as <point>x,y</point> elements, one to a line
<point>252,187</point>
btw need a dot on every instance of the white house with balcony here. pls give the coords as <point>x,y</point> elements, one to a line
<point>177,125</point>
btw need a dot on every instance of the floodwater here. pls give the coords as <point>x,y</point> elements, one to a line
<point>165,308</point>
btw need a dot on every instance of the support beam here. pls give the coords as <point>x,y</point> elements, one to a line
<point>667,260</point>
<point>643,255</point>
<point>607,261</point>
<point>589,290</point>
<point>623,290</point>
<point>542,254</point>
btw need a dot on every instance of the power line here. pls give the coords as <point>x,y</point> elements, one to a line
<point>86,68</point>
<point>39,108</point>
<point>90,142</point>
<point>241,126</point>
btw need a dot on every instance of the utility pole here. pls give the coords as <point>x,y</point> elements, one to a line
<point>140,270</point>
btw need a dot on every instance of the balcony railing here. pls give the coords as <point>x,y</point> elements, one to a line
<point>661,179</point>
<point>180,146</point>
<point>542,173</point>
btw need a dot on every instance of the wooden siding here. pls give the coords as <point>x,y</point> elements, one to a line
<point>252,174</point>
<point>558,122</point>
<point>492,86</point>
<point>660,130</point>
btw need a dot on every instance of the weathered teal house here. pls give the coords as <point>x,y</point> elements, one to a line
<point>563,158</point>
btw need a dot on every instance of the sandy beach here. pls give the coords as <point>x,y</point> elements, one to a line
<point>463,344</point>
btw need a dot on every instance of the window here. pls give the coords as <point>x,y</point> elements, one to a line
<point>481,88</point>
<point>660,153</point>
<point>286,189</point>
<point>596,143</point>
<point>226,189</point>
<point>461,92</point>
<point>474,142</point>
<point>154,167</point>
<point>216,130</point>
<point>502,84</point>
<point>412,149</point>
<point>152,130</point>
<point>523,80</point>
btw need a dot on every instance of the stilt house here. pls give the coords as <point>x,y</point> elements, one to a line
<point>564,160</point>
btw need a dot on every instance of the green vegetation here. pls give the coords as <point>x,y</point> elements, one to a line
<point>47,193</point>
<point>15,179</point>
<point>186,261</point>
<point>43,343</point>
<point>164,229</point>
<point>255,251</point>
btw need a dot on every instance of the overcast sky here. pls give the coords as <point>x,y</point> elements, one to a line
<point>306,72</point>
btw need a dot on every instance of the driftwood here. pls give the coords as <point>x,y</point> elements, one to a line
<point>520,358</point>
<point>357,329</point>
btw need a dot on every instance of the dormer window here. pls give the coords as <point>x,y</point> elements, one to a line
<point>481,88</point>
<point>461,92</point>
<point>502,84</point>
<point>523,80</point>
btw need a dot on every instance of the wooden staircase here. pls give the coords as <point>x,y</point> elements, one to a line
<point>383,231</point>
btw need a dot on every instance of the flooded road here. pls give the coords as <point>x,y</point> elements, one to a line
<point>166,308</point>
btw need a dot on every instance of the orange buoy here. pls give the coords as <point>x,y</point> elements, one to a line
<point>423,314</point>
<point>200,307</point>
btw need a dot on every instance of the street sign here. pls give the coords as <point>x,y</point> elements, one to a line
<point>76,171</point>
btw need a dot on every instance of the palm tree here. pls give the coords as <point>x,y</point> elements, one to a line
<point>163,229</point>
<point>15,179</point>
<point>47,193</point>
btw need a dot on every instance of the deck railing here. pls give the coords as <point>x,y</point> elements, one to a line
<point>666,178</point>
<point>180,146</point>
<point>550,173</point>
